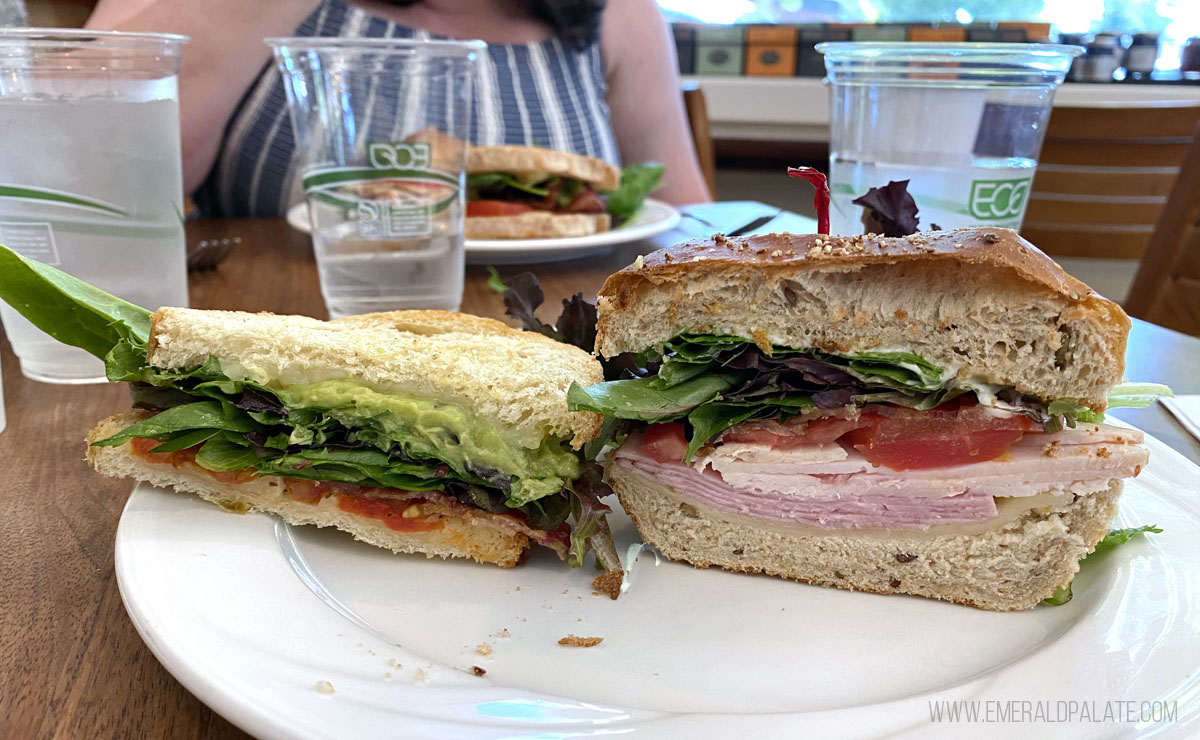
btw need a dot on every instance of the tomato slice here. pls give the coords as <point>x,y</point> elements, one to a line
<point>665,442</point>
<point>390,512</point>
<point>906,439</point>
<point>496,208</point>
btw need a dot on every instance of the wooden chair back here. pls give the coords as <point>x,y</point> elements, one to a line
<point>1104,176</point>
<point>697,113</point>
<point>1166,290</point>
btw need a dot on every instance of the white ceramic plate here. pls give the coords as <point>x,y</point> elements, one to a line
<point>654,218</point>
<point>252,616</point>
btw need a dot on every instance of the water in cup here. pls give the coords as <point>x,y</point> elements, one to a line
<point>385,242</point>
<point>381,128</point>
<point>90,176</point>
<point>986,190</point>
<point>963,123</point>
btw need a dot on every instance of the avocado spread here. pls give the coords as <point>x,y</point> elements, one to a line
<point>459,437</point>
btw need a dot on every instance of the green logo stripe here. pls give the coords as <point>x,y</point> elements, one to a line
<point>339,176</point>
<point>999,199</point>
<point>349,204</point>
<point>53,196</point>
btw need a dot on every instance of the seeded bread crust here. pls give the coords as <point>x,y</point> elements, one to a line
<point>518,159</point>
<point>982,300</point>
<point>537,225</point>
<point>1014,567</point>
<point>513,378</point>
<point>480,535</point>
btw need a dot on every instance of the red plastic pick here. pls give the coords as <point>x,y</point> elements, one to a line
<point>821,198</point>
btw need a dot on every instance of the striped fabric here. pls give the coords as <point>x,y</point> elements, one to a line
<point>539,94</point>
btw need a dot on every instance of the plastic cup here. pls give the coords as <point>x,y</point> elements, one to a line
<point>963,123</point>
<point>90,174</point>
<point>380,127</point>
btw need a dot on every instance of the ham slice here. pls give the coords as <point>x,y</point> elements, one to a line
<point>836,488</point>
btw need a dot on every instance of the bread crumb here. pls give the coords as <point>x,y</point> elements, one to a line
<point>503,633</point>
<point>483,649</point>
<point>478,671</point>
<point>421,678</point>
<point>387,674</point>
<point>609,582</point>
<point>393,664</point>
<point>518,588</point>
<point>574,641</point>
<point>639,263</point>
<point>323,687</point>
<point>777,253</point>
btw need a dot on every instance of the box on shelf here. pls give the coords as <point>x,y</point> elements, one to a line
<point>879,32</point>
<point>685,47</point>
<point>720,50</point>
<point>771,51</point>
<point>1033,31</point>
<point>1002,35</point>
<point>810,62</point>
<point>937,33</point>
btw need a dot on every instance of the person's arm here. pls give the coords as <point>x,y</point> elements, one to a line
<point>645,97</point>
<point>219,65</point>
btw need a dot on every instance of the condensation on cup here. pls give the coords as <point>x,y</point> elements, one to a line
<point>381,127</point>
<point>91,174</point>
<point>963,123</point>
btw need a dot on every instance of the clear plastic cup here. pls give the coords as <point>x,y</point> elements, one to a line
<point>963,123</point>
<point>90,174</point>
<point>381,126</point>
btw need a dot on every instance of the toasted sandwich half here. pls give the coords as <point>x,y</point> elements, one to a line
<point>919,415</point>
<point>417,431</point>
<point>519,192</point>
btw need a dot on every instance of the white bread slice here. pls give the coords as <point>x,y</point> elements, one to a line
<point>537,225</point>
<point>1011,568</point>
<point>476,534</point>
<point>513,378</point>
<point>983,301</point>
<point>530,159</point>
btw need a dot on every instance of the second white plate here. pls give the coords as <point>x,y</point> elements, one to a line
<point>654,218</point>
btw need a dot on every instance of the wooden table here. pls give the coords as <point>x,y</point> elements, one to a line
<point>71,663</point>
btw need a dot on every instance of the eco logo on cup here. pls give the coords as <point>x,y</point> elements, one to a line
<point>998,199</point>
<point>397,195</point>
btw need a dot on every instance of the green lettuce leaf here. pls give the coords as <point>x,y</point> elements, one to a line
<point>1136,395</point>
<point>477,181</point>
<point>208,415</point>
<point>646,399</point>
<point>222,453</point>
<point>70,310</point>
<point>904,368</point>
<point>637,182</point>
<point>1114,538</point>
<point>711,419</point>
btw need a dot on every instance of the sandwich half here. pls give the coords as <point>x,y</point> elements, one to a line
<point>919,415</point>
<point>417,431</point>
<point>520,192</point>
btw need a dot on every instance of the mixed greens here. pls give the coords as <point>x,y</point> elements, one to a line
<point>236,425</point>
<point>638,180</point>
<point>718,381</point>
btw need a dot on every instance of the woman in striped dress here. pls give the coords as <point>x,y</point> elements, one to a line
<point>573,75</point>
